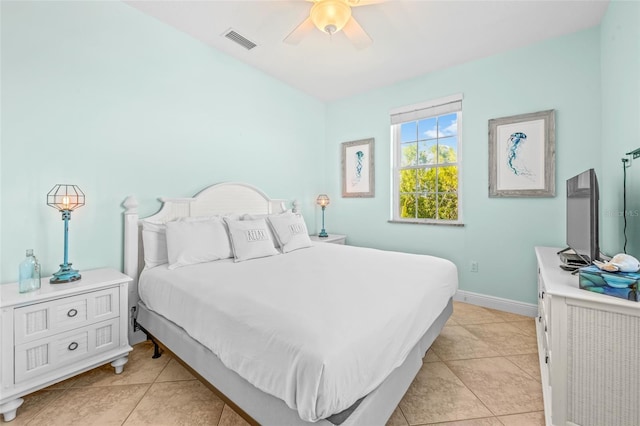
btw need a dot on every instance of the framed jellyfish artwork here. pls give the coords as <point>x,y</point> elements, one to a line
<point>522,155</point>
<point>358,168</point>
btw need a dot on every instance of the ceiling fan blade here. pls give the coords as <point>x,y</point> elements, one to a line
<point>300,32</point>
<point>356,34</point>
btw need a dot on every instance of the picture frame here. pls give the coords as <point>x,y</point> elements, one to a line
<point>358,168</point>
<point>522,155</point>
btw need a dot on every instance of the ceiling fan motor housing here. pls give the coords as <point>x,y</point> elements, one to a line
<point>330,16</point>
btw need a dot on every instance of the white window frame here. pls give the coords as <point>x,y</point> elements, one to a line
<point>433,108</point>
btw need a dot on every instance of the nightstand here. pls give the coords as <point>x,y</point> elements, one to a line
<point>332,238</point>
<point>59,331</point>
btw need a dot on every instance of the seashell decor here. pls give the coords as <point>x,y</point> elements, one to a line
<point>620,262</point>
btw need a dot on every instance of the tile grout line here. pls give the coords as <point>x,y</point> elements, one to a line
<point>497,349</point>
<point>500,356</point>
<point>221,412</point>
<point>488,345</point>
<point>522,369</point>
<point>187,380</point>
<point>138,403</point>
<point>502,321</point>
<point>469,389</point>
<point>402,412</point>
<point>145,393</point>
<point>63,391</point>
<point>460,420</point>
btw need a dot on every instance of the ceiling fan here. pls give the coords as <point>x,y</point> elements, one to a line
<point>331,16</point>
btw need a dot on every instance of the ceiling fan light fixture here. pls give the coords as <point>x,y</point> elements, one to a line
<point>330,16</point>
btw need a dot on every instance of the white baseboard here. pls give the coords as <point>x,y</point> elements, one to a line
<point>515,307</point>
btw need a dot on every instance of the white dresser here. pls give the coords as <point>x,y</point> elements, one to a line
<point>589,347</point>
<point>59,331</point>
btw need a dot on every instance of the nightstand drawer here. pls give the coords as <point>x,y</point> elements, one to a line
<point>43,356</point>
<point>40,320</point>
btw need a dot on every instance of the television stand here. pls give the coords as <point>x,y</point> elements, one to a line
<point>589,347</point>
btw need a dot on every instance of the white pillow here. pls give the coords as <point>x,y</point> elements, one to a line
<point>291,232</point>
<point>154,242</point>
<point>250,239</point>
<point>248,216</point>
<point>197,241</point>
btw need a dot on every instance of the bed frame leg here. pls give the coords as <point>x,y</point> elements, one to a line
<point>156,348</point>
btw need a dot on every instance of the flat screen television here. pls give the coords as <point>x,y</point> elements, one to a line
<point>582,215</point>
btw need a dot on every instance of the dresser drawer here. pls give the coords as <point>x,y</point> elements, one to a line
<point>40,320</point>
<point>46,355</point>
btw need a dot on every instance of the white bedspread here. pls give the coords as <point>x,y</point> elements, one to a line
<point>318,328</point>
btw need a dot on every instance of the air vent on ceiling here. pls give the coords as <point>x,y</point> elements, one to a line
<point>241,40</point>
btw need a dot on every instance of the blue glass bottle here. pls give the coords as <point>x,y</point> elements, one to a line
<point>29,273</point>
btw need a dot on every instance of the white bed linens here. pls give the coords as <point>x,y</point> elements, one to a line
<point>318,328</point>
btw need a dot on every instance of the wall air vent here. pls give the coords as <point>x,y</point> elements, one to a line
<point>241,40</point>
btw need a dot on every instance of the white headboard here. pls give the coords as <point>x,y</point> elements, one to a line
<point>222,198</point>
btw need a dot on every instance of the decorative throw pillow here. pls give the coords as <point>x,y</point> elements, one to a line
<point>249,216</point>
<point>250,239</point>
<point>197,241</point>
<point>154,242</point>
<point>291,232</point>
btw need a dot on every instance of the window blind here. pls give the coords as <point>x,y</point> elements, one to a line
<point>426,109</point>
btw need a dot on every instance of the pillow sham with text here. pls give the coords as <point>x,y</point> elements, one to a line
<point>250,216</point>
<point>250,239</point>
<point>291,232</point>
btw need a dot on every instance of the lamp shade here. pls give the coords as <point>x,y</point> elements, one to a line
<point>323,200</point>
<point>65,197</point>
<point>330,16</point>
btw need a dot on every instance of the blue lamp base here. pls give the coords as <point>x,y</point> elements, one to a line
<point>323,233</point>
<point>65,274</point>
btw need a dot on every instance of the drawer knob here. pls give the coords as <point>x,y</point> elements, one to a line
<point>72,346</point>
<point>72,313</point>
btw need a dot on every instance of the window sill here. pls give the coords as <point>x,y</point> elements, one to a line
<point>420,222</point>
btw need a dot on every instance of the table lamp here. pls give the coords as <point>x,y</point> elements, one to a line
<point>323,201</point>
<point>65,198</point>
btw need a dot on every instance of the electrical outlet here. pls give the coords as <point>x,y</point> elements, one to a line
<point>474,266</point>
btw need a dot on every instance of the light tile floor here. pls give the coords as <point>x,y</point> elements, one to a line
<point>482,370</point>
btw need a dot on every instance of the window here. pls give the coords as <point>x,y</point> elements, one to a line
<point>426,162</point>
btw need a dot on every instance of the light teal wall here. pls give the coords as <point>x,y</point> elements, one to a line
<point>100,95</point>
<point>561,74</point>
<point>103,96</point>
<point>620,52</point>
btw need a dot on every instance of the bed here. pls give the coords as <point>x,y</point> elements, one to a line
<point>311,334</point>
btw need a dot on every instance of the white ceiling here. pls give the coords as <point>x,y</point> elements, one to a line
<point>410,38</point>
